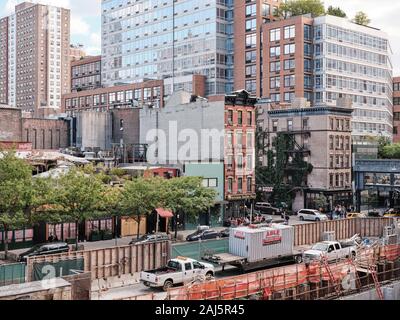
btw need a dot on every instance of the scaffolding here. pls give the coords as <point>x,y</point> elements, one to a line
<point>319,280</point>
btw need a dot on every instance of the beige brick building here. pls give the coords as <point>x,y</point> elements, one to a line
<point>322,137</point>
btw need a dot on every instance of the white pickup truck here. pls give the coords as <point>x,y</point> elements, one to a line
<point>178,271</point>
<point>332,250</point>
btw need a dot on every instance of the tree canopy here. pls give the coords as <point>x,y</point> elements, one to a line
<point>336,11</point>
<point>299,7</point>
<point>361,18</point>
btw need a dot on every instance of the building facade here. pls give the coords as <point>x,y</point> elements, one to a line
<point>117,97</point>
<point>249,17</point>
<point>396,110</point>
<point>168,39</point>
<point>34,58</point>
<point>288,67</point>
<point>76,52</point>
<point>86,74</point>
<point>319,136</point>
<point>354,61</point>
<point>42,134</point>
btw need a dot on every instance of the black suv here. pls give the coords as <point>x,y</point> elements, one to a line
<point>204,235</point>
<point>44,250</point>
<point>267,208</point>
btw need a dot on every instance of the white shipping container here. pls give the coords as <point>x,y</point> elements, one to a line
<point>256,244</point>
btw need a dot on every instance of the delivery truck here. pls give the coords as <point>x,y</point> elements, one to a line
<point>258,246</point>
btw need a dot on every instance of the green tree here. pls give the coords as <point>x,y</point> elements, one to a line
<point>299,7</point>
<point>110,204</point>
<point>187,195</point>
<point>321,202</point>
<point>391,151</point>
<point>383,142</point>
<point>15,193</point>
<point>336,11</point>
<point>140,197</point>
<point>77,197</point>
<point>361,18</point>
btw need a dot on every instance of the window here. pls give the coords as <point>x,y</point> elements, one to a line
<point>307,32</point>
<point>290,125</point>
<point>275,66</point>
<point>251,86</point>
<point>290,48</point>
<point>251,10</point>
<point>275,83</point>
<point>249,185</point>
<point>251,25</point>
<point>249,118</point>
<point>289,96</point>
<point>240,118</point>
<point>239,139</point>
<point>290,81</point>
<point>230,117</point>
<point>274,52</point>
<point>289,64</point>
<point>275,35</point>
<point>240,185</point>
<point>188,266</point>
<point>275,126</point>
<point>210,183</point>
<point>249,140</point>
<point>240,162</point>
<point>230,161</point>
<point>230,139</point>
<point>251,40</point>
<point>251,56</point>
<point>251,71</point>
<point>249,163</point>
<point>290,32</point>
<point>230,185</point>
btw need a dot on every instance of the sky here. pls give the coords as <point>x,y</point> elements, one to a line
<point>86,20</point>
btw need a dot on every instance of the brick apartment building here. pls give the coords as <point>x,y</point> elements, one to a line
<point>86,74</point>
<point>249,18</point>
<point>396,110</point>
<point>35,58</point>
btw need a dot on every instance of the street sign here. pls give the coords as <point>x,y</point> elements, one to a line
<point>266,189</point>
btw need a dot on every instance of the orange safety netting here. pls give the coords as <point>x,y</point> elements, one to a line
<point>267,282</point>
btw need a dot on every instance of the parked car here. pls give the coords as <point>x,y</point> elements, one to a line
<point>44,250</point>
<point>204,235</point>
<point>150,238</point>
<point>392,213</point>
<point>178,271</point>
<point>374,214</point>
<point>225,233</point>
<point>354,215</point>
<point>266,208</point>
<point>311,215</point>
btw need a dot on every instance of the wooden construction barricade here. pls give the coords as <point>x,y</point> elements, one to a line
<point>105,263</point>
<point>307,234</point>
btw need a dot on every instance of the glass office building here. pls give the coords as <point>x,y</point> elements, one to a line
<point>167,39</point>
<point>354,61</point>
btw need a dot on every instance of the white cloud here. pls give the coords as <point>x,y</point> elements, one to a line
<point>79,26</point>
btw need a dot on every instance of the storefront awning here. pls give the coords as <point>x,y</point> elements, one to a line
<point>164,213</point>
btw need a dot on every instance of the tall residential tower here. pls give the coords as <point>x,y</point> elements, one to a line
<point>170,40</point>
<point>34,58</point>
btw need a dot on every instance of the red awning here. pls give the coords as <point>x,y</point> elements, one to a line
<point>164,213</point>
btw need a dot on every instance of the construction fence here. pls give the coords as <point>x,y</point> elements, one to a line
<point>318,280</point>
<point>12,274</point>
<point>101,263</point>
<point>307,234</point>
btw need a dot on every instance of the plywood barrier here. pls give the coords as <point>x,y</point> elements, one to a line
<point>307,234</point>
<point>107,262</point>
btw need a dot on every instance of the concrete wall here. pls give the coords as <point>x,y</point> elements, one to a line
<point>94,130</point>
<point>130,126</point>
<point>180,128</point>
<point>390,292</point>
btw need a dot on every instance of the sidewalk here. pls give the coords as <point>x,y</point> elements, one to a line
<point>182,235</point>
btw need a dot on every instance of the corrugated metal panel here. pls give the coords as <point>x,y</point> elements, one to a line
<point>249,243</point>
